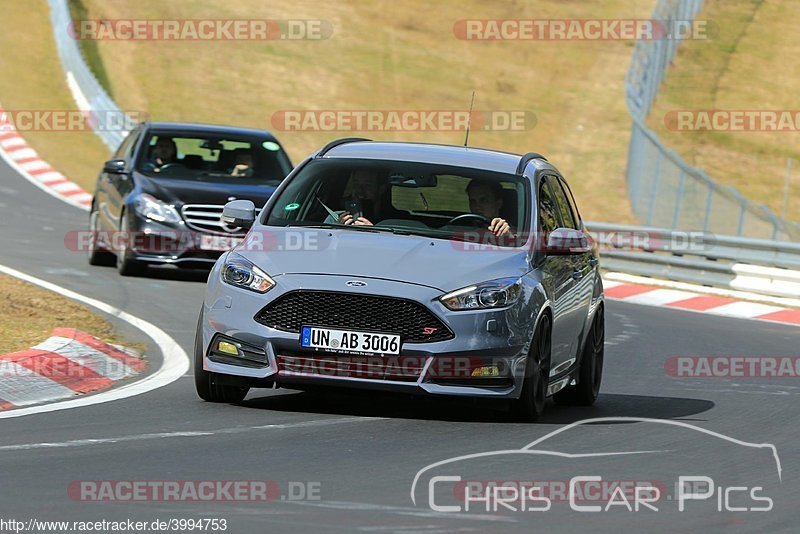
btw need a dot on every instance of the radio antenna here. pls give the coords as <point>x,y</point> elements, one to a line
<point>469,118</point>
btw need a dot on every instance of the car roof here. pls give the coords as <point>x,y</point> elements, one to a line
<point>460,156</point>
<point>195,127</point>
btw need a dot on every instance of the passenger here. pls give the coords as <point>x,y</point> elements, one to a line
<point>243,165</point>
<point>370,192</point>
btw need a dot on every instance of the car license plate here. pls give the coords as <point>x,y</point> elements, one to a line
<point>218,242</point>
<point>348,341</point>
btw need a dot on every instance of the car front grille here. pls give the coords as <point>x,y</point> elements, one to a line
<point>207,218</point>
<point>392,368</point>
<point>411,320</point>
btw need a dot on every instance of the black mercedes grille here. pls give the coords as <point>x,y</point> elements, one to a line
<point>414,322</point>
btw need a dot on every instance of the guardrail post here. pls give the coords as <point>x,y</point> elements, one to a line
<point>678,197</point>
<point>708,207</point>
<point>654,189</point>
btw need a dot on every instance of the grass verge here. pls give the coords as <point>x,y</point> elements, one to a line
<point>391,56</point>
<point>32,80</point>
<point>752,64</point>
<point>29,314</point>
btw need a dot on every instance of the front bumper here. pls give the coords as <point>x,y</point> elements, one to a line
<point>153,242</point>
<point>482,338</point>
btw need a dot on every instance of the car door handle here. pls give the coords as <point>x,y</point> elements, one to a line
<point>577,274</point>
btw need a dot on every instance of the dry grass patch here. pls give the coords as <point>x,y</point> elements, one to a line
<point>29,314</point>
<point>389,55</point>
<point>752,64</point>
<point>33,80</point>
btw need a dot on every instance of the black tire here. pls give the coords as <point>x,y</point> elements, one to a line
<point>207,383</point>
<point>530,405</point>
<point>590,373</point>
<point>96,254</point>
<point>127,266</point>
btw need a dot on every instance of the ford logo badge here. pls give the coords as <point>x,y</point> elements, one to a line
<point>355,283</point>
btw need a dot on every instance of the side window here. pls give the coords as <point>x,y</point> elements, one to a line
<point>124,150</point>
<point>548,217</point>
<point>561,202</point>
<point>571,200</point>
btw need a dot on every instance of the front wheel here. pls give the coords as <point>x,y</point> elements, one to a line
<point>530,405</point>
<point>127,266</point>
<point>590,373</point>
<point>207,383</point>
<point>97,254</point>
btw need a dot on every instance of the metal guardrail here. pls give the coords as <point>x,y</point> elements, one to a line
<point>664,190</point>
<point>87,91</point>
<point>757,265</point>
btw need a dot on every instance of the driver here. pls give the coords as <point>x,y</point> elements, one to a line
<point>164,152</point>
<point>486,199</point>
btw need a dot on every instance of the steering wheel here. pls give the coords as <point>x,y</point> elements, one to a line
<point>467,216</point>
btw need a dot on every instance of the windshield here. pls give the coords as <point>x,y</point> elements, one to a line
<point>214,157</point>
<point>439,201</point>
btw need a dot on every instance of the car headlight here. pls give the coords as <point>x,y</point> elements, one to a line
<point>491,294</point>
<point>150,207</point>
<point>239,272</point>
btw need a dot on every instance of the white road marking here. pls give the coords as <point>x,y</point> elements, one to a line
<point>660,296</point>
<point>747,310</point>
<point>184,434</point>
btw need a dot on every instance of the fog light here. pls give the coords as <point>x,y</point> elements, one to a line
<point>485,371</point>
<point>225,347</point>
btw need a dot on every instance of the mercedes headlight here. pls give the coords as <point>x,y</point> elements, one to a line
<point>239,272</point>
<point>486,295</point>
<point>150,207</point>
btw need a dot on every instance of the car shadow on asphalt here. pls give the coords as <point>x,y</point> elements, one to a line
<point>168,272</point>
<point>396,406</point>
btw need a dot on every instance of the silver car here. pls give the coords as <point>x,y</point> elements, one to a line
<point>417,268</point>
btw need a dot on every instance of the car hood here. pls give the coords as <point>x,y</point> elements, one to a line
<point>437,263</point>
<point>179,192</point>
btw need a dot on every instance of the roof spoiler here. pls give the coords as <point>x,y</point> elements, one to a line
<point>527,158</point>
<point>336,142</point>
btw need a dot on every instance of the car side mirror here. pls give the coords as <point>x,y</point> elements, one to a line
<point>114,166</point>
<point>567,241</point>
<point>241,213</point>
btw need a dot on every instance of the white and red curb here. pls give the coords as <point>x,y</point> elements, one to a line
<point>68,364</point>
<point>26,161</point>
<point>725,303</point>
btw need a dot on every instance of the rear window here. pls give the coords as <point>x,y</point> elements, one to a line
<point>200,156</point>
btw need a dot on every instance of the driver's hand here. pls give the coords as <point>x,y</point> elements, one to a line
<point>239,170</point>
<point>499,227</point>
<point>363,221</point>
<point>346,218</point>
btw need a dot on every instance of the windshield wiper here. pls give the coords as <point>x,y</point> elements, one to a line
<point>336,226</point>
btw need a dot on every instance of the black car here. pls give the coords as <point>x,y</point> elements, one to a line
<point>159,200</point>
